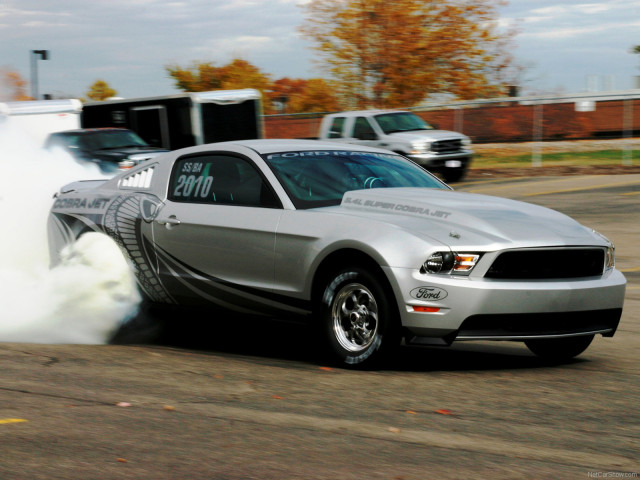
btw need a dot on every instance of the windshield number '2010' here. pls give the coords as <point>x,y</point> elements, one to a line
<point>193,186</point>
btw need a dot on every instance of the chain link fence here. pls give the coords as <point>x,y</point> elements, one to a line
<point>610,115</point>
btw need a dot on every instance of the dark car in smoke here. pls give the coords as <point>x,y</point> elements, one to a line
<point>111,149</point>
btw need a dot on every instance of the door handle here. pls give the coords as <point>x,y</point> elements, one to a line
<point>170,222</point>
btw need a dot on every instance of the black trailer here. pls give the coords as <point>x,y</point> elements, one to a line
<point>182,120</point>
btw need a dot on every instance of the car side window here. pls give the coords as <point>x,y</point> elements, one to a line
<point>220,180</point>
<point>335,130</point>
<point>362,129</point>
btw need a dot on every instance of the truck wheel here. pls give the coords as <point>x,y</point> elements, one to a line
<point>359,323</point>
<point>454,174</point>
<point>559,348</point>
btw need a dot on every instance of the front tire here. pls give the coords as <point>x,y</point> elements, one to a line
<point>454,174</point>
<point>558,349</point>
<point>358,318</point>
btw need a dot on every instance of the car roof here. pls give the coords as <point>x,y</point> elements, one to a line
<point>273,145</point>
<point>355,113</point>
<point>88,131</point>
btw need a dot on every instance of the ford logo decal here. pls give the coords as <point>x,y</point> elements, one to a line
<point>429,293</point>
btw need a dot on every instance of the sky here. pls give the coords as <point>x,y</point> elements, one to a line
<point>564,47</point>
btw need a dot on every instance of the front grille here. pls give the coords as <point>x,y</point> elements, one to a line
<point>540,324</point>
<point>548,264</point>
<point>447,146</point>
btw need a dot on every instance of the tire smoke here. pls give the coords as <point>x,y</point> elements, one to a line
<point>85,298</point>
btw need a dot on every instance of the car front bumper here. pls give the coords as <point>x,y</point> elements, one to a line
<point>440,161</point>
<point>488,309</point>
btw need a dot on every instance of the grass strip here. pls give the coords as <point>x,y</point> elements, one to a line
<point>600,157</point>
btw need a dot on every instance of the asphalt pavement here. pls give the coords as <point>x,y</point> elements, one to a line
<point>253,400</point>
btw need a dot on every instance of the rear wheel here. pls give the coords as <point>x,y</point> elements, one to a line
<point>559,348</point>
<point>358,319</point>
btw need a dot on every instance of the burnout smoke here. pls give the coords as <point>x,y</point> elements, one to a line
<point>87,296</point>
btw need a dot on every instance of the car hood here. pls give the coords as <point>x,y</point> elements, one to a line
<point>127,151</point>
<point>422,135</point>
<point>467,219</point>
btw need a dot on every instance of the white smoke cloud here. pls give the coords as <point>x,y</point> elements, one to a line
<point>82,300</point>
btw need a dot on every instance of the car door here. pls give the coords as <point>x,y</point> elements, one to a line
<point>215,235</point>
<point>363,133</point>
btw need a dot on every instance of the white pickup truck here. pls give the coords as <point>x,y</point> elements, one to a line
<point>441,151</point>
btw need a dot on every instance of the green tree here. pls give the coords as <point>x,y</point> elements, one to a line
<point>100,90</point>
<point>388,54</point>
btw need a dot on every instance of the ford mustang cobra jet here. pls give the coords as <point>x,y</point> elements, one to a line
<point>364,243</point>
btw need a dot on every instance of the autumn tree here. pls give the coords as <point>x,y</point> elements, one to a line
<point>205,76</point>
<point>242,74</point>
<point>100,90</point>
<point>302,95</point>
<point>389,54</point>
<point>200,77</point>
<point>285,94</point>
<point>12,86</point>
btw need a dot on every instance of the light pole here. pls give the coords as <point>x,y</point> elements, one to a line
<point>35,55</point>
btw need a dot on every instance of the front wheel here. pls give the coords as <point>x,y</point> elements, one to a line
<point>454,174</point>
<point>358,318</point>
<point>559,348</point>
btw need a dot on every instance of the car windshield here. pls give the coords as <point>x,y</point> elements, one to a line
<point>105,140</point>
<point>401,122</point>
<point>320,178</point>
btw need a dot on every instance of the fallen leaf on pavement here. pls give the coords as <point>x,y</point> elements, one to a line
<point>444,411</point>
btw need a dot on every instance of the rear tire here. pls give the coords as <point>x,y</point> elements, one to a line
<point>358,318</point>
<point>559,348</point>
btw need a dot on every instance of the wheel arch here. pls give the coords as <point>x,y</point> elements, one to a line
<point>342,258</point>
<point>64,230</point>
<point>359,271</point>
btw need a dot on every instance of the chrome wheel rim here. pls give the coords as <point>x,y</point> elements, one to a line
<point>355,317</point>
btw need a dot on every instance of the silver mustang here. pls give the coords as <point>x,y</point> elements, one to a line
<point>365,244</point>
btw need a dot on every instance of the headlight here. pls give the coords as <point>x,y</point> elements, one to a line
<point>466,141</point>
<point>450,263</point>
<point>609,254</point>
<point>420,147</point>
<point>126,164</point>
<point>610,257</point>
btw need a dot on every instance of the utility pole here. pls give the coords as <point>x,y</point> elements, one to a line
<point>35,56</point>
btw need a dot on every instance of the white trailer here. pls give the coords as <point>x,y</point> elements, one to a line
<point>38,118</point>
